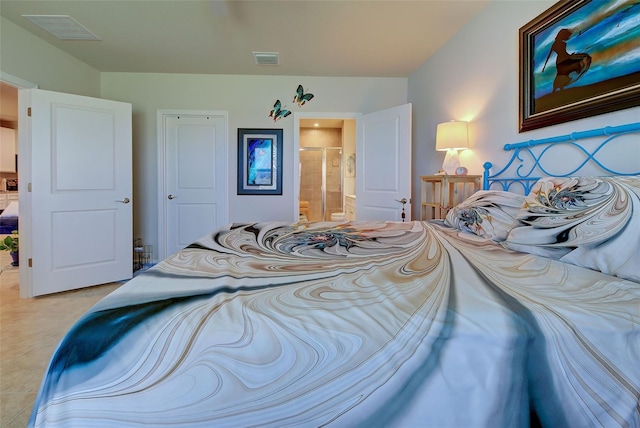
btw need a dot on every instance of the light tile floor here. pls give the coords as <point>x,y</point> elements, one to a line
<point>30,330</point>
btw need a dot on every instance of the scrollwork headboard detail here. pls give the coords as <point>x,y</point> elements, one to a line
<point>530,160</point>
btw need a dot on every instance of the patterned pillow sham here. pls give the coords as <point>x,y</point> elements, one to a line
<point>487,213</point>
<point>592,222</point>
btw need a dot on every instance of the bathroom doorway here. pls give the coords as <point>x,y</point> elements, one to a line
<point>326,149</point>
<point>325,146</point>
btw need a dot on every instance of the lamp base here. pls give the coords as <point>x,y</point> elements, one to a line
<point>451,162</point>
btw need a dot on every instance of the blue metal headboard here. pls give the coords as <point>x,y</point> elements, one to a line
<point>535,150</point>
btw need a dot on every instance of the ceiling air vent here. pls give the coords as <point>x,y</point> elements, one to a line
<point>266,58</point>
<point>63,27</point>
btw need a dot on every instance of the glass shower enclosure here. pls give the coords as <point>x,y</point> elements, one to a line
<point>320,182</point>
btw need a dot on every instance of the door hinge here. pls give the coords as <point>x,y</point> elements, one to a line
<point>30,262</point>
<point>28,187</point>
<point>29,111</point>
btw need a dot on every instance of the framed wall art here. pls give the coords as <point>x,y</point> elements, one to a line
<point>579,58</point>
<point>350,167</point>
<point>259,161</point>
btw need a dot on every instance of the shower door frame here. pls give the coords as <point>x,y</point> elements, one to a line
<point>324,176</point>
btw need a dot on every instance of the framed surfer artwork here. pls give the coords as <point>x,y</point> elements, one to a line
<point>259,161</point>
<point>579,58</point>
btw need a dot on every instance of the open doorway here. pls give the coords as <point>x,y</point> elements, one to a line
<point>381,163</point>
<point>326,167</point>
<point>13,111</point>
<point>8,166</point>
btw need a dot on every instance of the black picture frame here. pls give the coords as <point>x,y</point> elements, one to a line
<point>557,86</point>
<point>259,161</point>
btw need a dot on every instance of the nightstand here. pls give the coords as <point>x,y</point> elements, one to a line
<point>439,193</point>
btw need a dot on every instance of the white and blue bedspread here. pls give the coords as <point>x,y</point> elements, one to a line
<point>353,324</point>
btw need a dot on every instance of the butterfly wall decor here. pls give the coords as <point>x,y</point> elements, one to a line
<point>278,112</point>
<point>301,98</point>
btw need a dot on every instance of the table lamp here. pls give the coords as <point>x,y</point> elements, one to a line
<point>451,137</point>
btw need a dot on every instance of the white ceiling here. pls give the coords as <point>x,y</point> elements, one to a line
<point>378,38</point>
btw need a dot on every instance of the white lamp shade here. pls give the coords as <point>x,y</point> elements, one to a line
<point>452,135</point>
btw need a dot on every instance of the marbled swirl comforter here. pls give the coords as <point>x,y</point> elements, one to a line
<point>353,324</point>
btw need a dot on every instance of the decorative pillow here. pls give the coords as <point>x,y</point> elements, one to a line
<point>592,222</point>
<point>487,213</point>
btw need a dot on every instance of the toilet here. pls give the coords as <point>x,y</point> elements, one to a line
<point>337,217</point>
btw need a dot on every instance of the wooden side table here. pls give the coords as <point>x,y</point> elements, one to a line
<point>439,193</point>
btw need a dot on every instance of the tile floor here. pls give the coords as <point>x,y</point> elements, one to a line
<point>30,330</point>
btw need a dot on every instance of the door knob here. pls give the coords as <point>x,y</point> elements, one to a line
<point>403,201</point>
<point>124,201</point>
<point>171,197</point>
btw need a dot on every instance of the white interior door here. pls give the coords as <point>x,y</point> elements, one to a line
<point>81,187</point>
<point>194,198</point>
<point>383,164</point>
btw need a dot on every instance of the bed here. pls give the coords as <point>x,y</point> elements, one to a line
<point>9,218</point>
<point>451,323</point>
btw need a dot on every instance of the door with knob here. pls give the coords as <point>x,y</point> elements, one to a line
<point>383,167</point>
<point>194,181</point>
<point>78,231</point>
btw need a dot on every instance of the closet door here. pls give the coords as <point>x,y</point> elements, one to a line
<point>193,177</point>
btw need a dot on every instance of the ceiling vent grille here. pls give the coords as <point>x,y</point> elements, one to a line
<point>266,58</point>
<point>63,27</point>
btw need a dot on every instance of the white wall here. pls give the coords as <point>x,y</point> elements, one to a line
<point>32,59</point>
<point>248,100</point>
<point>474,77</point>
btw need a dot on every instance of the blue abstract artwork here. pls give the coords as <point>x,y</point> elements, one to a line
<point>260,162</point>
